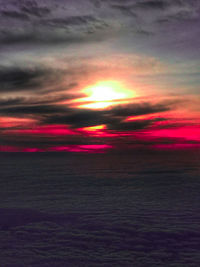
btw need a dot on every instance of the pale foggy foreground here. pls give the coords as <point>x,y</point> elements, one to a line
<point>60,209</point>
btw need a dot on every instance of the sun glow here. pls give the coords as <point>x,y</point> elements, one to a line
<point>104,94</point>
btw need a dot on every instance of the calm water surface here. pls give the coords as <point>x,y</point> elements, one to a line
<point>60,209</point>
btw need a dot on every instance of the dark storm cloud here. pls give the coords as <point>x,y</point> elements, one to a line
<point>77,118</point>
<point>38,37</point>
<point>19,79</point>
<point>33,110</point>
<point>26,78</point>
<point>25,136</point>
<point>121,112</point>
<point>138,109</point>
<point>48,33</point>
<point>129,126</point>
<point>113,118</point>
<point>134,5</point>
<point>54,115</point>
<point>13,102</point>
<point>10,102</point>
<point>157,4</point>
<point>15,15</point>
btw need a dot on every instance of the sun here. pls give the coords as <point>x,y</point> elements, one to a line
<point>103,94</point>
<point>105,91</point>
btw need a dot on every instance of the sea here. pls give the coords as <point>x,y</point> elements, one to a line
<point>140,208</point>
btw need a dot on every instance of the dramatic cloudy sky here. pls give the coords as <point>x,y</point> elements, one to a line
<point>95,75</point>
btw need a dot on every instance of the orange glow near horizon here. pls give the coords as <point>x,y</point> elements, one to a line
<point>104,94</point>
<point>14,122</point>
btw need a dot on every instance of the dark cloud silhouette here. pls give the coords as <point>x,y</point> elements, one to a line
<point>26,78</point>
<point>15,15</point>
<point>33,110</point>
<point>10,101</point>
<point>16,79</point>
<point>129,126</point>
<point>113,117</point>
<point>157,4</point>
<point>48,35</point>
<point>34,101</point>
<point>77,118</point>
<point>38,37</point>
<point>138,109</point>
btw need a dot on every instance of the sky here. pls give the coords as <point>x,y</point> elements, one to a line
<point>99,75</point>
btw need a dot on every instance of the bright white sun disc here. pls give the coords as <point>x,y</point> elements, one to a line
<point>104,94</point>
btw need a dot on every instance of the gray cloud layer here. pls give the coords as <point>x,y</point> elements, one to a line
<point>66,21</point>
